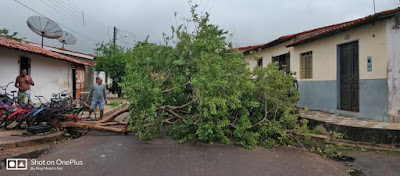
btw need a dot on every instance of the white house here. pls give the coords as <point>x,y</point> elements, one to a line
<point>350,68</point>
<point>85,74</point>
<point>52,72</point>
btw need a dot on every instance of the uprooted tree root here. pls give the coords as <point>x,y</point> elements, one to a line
<point>102,125</point>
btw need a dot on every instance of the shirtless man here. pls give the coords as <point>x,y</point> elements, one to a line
<point>23,83</point>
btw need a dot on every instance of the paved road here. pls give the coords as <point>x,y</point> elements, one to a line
<point>111,154</point>
<point>376,163</point>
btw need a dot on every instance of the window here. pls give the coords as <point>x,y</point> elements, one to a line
<point>306,65</point>
<point>283,61</point>
<point>260,62</point>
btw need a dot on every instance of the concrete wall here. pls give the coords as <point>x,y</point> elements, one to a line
<point>322,95</point>
<point>393,52</point>
<point>322,91</point>
<point>50,75</point>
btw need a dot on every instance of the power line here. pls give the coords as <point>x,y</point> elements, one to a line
<point>123,39</point>
<point>136,38</point>
<point>77,9</point>
<point>58,10</point>
<point>212,5</point>
<point>59,24</point>
<point>205,7</point>
<point>77,20</point>
<point>80,15</point>
<point>80,10</point>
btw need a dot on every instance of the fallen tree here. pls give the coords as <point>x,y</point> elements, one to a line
<point>101,125</point>
<point>204,89</point>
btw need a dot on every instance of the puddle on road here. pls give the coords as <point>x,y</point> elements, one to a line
<point>356,172</point>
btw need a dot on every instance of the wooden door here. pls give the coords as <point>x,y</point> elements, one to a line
<point>349,77</point>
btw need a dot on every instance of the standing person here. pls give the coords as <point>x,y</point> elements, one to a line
<point>23,83</point>
<point>99,97</point>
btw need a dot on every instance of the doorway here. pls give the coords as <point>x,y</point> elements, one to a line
<point>25,63</point>
<point>74,82</point>
<point>349,77</point>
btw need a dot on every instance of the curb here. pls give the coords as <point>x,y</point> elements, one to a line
<point>34,140</point>
<point>355,144</point>
<point>366,135</point>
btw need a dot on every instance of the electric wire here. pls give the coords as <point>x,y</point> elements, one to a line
<point>59,23</point>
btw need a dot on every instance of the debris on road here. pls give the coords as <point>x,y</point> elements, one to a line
<point>101,125</point>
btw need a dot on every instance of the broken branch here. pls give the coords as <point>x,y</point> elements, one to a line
<point>175,114</point>
<point>114,115</point>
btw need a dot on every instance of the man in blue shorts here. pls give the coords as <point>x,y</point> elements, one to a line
<point>99,97</point>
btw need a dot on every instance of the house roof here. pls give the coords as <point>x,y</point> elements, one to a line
<point>13,44</point>
<point>314,34</point>
<point>89,57</point>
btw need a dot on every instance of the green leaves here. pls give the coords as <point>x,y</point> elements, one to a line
<point>112,59</point>
<point>4,32</point>
<point>206,91</point>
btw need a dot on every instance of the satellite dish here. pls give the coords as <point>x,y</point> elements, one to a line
<point>67,39</point>
<point>44,27</point>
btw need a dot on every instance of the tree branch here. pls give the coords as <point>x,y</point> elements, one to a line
<point>178,107</point>
<point>168,122</point>
<point>171,89</point>
<point>232,125</point>
<point>265,115</point>
<point>175,114</point>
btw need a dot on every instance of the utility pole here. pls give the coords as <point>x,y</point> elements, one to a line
<point>114,39</point>
<point>115,35</point>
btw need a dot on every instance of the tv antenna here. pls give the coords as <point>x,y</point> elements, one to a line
<point>67,39</point>
<point>44,27</point>
<point>374,7</point>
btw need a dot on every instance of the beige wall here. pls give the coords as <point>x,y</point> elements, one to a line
<point>268,53</point>
<point>325,53</point>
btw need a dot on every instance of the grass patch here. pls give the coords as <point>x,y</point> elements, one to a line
<point>114,104</point>
<point>315,131</point>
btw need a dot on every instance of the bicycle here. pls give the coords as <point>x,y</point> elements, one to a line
<point>8,104</point>
<point>30,117</point>
<point>5,97</point>
<point>13,119</point>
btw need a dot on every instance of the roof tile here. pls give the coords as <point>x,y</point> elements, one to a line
<point>310,35</point>
<point>10,43</point>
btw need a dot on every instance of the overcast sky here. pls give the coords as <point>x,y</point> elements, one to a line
<point>251,21</point>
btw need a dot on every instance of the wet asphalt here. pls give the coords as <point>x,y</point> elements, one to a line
<point>102,153</point>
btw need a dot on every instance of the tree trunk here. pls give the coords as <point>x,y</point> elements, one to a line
<point>100,125</point>
<point>114,115</point>
<point>92,127</point>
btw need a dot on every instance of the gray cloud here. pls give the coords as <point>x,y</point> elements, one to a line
<point>251,22</point>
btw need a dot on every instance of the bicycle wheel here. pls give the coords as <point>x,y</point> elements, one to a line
<point>11,122</point>
<point>31,120</point>
<point>23,122</point>
<point>3,119</point>
<point>43,116</point>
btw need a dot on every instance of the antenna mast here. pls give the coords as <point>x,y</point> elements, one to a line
<point>374,7</point>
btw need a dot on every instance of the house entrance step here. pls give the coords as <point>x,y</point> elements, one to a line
<point>355,128</point>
